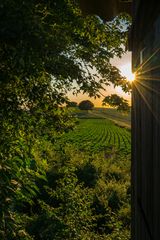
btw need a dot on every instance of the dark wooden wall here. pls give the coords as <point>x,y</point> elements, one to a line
<point>146,121</point>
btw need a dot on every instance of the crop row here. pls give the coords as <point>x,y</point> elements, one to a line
<point>97,134</point>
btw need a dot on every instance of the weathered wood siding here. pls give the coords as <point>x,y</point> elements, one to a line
<point>146,121</point>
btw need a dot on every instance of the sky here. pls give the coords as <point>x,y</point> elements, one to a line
<point>124,64</point>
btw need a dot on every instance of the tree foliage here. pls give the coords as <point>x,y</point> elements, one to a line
<point>72,104</point>
<point>86,105</point>
<point>116,101</point>
<point>55,42</point>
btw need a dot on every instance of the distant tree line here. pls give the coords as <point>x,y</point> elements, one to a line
<point>83,105</point>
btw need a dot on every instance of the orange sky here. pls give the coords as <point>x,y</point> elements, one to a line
<point>124,64</point>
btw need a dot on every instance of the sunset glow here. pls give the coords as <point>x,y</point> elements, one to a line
<point>127,72</point>
<point>124,65</point>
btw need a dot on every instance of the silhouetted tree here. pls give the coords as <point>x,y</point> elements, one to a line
<point>86,105</point>
<point>118,102</point>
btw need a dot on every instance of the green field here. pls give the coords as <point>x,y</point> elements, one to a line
<point>99,134</point>
<point>98,150</point>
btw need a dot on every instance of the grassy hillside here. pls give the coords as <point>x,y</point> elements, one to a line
<point>106,113</point>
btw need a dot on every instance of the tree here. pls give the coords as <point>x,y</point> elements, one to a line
<point>116,101</point>
<point>46,48</point>
<point>86,105</point>
<point>53,43</point>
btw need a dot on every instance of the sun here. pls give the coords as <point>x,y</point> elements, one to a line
<point>131,77</point>
<point>127,72</point>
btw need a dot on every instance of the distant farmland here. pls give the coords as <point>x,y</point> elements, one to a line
<point>106,113</point>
